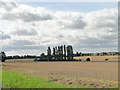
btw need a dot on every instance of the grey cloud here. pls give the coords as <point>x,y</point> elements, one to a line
<point>93,41</point>
<point>22,42</point>
<point>26,17</point>
<point>75,24</point>
<point>32,17</point>
<point>106,39</point>
<point>22,45</point>
<point>30,48</point>
<point>97,46</point>
<point>78,24</point>
<point>60,36</point>
<point>45,41</point>
<point>8,5</point>
<point>4,36</point>
<point>24,32</point>
<point>104,23</point>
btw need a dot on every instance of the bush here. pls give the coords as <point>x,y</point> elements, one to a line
<point>88,59</point>
<point>79,60</point>
<point>106,59</point>
<point>35,59</point>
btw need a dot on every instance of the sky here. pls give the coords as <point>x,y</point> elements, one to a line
<point>73,6</point>
<point>30,27</point>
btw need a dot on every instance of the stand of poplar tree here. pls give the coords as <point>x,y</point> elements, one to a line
<point>59,53</point>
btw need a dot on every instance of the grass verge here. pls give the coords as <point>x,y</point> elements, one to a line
<point>18,80</point>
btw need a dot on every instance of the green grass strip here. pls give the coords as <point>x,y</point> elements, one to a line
<point>17,80</point>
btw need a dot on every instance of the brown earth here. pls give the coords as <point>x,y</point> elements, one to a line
<point>91,74</point>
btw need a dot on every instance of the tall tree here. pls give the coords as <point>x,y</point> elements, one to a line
<point>59,53</point>
<point>49,53</point>
<point>69,52</point>
<point>54,53</point>
<point>42,56</point>
<point>64,52</point>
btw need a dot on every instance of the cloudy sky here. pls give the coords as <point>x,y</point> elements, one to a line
<point>30,27</point>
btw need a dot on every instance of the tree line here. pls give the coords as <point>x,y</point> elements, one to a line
<point>61,52</point>
<point>21,57</point>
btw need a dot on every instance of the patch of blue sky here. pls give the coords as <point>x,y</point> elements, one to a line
<point>73,6</point>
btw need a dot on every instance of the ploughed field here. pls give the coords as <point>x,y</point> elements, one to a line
<point>89,74</point>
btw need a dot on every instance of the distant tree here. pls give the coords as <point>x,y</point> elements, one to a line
<point>77,54</point>
<point>49,53</point>
<point>42,56</point>
<point>69,52</point>
<point>64,52</point>
<point>58,52</point>
<point>61,52</point>
<point>54,53</point>
<point>104,53</point>
<point>80,54</point>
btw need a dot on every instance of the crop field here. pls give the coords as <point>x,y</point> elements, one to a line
<point>72,74</point>
<point>98,58</point>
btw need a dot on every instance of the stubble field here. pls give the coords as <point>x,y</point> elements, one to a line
<point>88,74</point>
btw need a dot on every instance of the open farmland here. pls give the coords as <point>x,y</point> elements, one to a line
<point>90,74</point>
<point>98,58</point>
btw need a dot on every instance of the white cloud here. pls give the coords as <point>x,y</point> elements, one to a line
<point>29,28</point>
<point>24,12</point>
<point>70,20</point>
